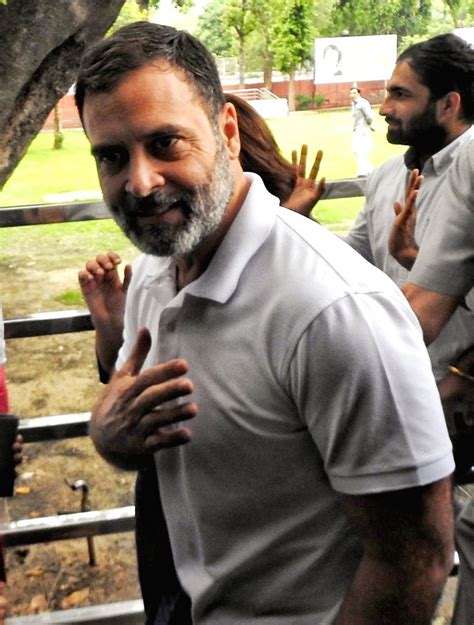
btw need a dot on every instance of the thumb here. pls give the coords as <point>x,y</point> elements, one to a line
<point>397,208</point>
<point>127,276</point>
<point>140,350</point>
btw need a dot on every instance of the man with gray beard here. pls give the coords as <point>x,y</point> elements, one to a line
<point>259,351</point>
<point>203,206</point>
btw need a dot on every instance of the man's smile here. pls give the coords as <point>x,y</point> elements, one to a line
<point>173,212</point>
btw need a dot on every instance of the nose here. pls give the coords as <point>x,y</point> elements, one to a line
<point>384,107</point>
<point>144,176</point>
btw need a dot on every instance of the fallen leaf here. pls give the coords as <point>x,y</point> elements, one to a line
<point>26,476</point>
<point>22,490</point>
<point>75,598</point>
<point>37,572</point>
<point>38,604</point>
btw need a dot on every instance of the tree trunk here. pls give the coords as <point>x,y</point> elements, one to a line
<point>241,62</point>
<point>267,74</point>
<point>291,91</point>
<point>58,134</point>
<point>41,44</point>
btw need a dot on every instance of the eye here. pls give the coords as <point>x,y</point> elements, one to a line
<point>167,146</point>
<point>400,94</point>
<point>165,141</point>
<point>111,159</point>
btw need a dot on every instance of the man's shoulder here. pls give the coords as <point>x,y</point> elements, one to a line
<point>325,260</point>
<point>395,163</point>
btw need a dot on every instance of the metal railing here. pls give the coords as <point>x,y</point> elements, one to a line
<point>58,427</point>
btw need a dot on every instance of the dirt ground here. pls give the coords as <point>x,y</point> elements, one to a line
<point>49,376</point>
<point>57,375</point>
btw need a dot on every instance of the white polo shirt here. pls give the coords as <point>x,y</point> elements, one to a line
<point>312,379</point>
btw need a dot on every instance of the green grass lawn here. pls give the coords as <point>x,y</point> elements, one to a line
<point>44,172</point>
<point>47,175</point>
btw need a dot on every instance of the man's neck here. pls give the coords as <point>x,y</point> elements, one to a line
<point>423,153</point>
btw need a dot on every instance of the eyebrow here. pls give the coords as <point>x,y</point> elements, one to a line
<point>162,131</point>
<point>100,147</point>
<point>391,88</point>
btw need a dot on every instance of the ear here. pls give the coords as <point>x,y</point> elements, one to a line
<point>230,130</point>
<point>450,106</point>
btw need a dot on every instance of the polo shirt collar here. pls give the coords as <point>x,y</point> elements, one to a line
<point>247,233</point>
<point>245,236</point>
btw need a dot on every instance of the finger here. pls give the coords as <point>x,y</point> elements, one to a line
<point>127,276</point>
<point>413,181</point>
<point>84,278</point>
<point>149,396</point>
<point>138,354</point>
<point>294,157</point>
<point>164,372</point>
<point>95,273</point>
<point>171,438</point>
<point>105,262</point>
<point>303,157</point>
<point>320,190</point>
<point>114,258</point>
<point>18,444</point>
<point>397,208</point>
<point>407,214</point>
<point>94,267</point>
<point>410,203</point>
<point>419,180</point>
<point>156,419</point>
<point>313,174</point>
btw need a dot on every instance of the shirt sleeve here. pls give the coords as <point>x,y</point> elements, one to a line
<point>445,261</point>
<point>367,111</point>
<point>362,381</point>
<point>358,236</point>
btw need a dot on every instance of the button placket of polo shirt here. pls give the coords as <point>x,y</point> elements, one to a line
<point>168,334</point>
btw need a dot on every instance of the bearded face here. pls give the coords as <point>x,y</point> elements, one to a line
<point>201,207</point>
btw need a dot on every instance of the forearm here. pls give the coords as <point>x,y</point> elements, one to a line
<point>466,362</point>
<point>458,382</point>
<point>108,341</point>
<point>382,594</point>
<point>432,309</point>
<point>408,549</point>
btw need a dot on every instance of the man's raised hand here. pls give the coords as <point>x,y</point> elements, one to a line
<point>307,192</point>
<point>402,244</point>
<point>102,289</point>
<point>128,422</point>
